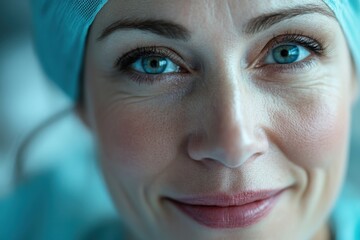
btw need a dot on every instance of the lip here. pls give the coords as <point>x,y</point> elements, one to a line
<point>229,211</point>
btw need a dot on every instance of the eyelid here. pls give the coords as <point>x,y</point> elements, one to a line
<point>310,43</point>
<point>124,62</point>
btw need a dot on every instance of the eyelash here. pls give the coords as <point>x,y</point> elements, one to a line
<point>310,43</point>
<point>123,63</point>
<point>306,41</point>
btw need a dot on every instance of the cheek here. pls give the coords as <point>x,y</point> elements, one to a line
<point>313,132</point>
<point>136,143</point>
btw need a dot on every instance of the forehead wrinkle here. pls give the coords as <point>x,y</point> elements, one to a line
<point>210,10</point>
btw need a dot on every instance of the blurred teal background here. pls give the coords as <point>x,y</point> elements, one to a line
<point>73,196</point>
<point>61,193</point>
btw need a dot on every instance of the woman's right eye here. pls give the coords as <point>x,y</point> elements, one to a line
<point>150,64</point>
<point>154,65</point>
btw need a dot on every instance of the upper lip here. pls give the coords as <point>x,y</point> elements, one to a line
<point>229,200</point>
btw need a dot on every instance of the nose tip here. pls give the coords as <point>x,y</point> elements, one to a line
<point>232,148</point>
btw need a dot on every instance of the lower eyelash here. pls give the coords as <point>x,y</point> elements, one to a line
<point>141,78</point>
<point>292,68</point>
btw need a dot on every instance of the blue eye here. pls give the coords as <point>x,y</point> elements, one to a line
<point>287,54</point>
<point>154,65</point>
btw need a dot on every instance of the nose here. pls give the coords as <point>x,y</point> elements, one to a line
<point>230,132</point>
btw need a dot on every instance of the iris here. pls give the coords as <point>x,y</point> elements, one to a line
<point>154,65</point>
<point>286,54</point>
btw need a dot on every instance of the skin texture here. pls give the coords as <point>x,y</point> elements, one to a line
<point>229,123</point>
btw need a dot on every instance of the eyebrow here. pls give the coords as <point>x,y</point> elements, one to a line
<point>163,28</point>
<point>176,31</point>
<point>263,22</point>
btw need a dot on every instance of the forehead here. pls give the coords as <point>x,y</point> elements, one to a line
<point>192,13</point>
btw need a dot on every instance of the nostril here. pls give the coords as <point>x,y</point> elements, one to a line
<point>195,147</point>
<point>231,153</point>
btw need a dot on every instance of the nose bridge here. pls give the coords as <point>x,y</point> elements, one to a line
<point>232,127</point>
<point>230,98</point>
<point>228,134</point>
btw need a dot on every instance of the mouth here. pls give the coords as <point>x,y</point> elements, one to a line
<point>229,211</point>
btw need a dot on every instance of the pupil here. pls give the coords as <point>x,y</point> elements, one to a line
<point>284,53</point>
<point>154,64</point>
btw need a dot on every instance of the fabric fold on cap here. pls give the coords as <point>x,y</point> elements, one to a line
<point>348,14</point>
<point>60,31</point>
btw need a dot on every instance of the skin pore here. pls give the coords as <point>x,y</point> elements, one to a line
<point>231,112</point>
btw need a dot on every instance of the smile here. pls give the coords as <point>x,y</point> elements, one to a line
<point>229,211</point>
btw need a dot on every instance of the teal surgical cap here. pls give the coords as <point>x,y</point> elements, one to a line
<point>60,31</point>
<point>61,27</point>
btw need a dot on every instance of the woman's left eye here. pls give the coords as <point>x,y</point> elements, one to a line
<point>286,54</point>
<point>154,65</point>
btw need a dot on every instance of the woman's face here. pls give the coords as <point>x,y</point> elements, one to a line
<point>220,119</point>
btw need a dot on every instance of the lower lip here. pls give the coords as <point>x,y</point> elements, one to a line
<point>232,216</point>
